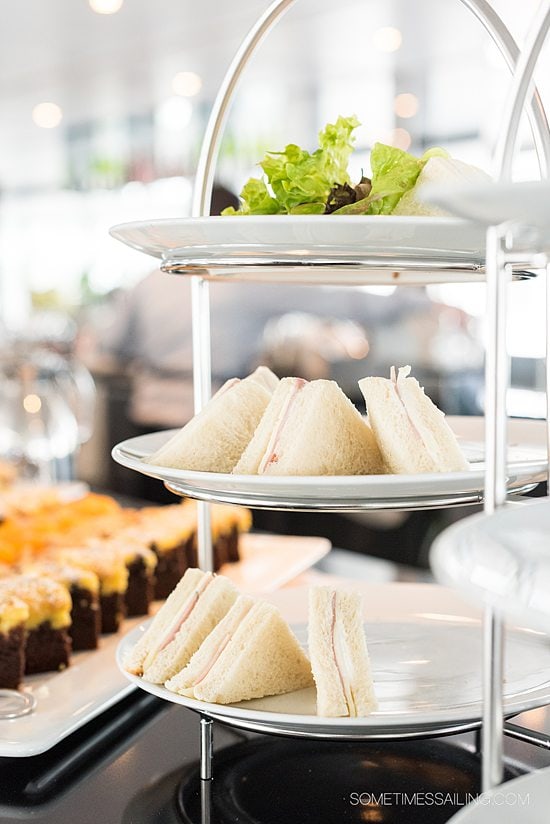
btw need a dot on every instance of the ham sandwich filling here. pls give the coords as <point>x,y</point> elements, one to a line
<point>231,628</point>
<point>423,433</point>
<point>342,659</point>
<point>270,455</point>
<point>179,619</point>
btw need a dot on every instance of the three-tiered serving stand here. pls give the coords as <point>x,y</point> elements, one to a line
<point>320,263</point>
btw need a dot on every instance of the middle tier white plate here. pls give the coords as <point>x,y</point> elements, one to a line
<point>527,465</point>
<point>425,645</point>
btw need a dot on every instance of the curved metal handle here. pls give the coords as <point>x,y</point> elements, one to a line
<point>210,148</point>
<point>520,86</point>
<point>481,9</point>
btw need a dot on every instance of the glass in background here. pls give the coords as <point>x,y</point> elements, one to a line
<point>46,412</point>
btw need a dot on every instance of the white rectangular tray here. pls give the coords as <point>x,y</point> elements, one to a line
<point>67,700</point>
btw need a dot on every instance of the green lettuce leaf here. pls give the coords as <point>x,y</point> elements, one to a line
<point>301,182</point>
<point>256,200</point>
<point>394,172</point>
<point>297,182</point>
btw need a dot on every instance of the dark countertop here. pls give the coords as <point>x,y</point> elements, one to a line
<point>133,777</point>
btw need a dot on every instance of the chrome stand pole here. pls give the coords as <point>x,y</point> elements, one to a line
<point>493,719</point>
<point>534,737</point>
<point>206,802</point>
<point>202,387</point>
<point>515,103</point>
<point>496,368</point>
<point>496,385</point>
<point>206,747</point>
<point>547,367</point>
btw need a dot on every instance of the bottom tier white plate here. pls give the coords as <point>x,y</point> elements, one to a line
<point>425,645</point>
<point>526,467</point>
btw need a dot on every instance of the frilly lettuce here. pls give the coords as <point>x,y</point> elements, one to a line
<point>297,182</point>
<point>256,199</point>
<point>301,182</point>
<point>394,172</point>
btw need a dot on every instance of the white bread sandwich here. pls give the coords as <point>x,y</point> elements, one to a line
<point>189,614</point>
<point>338,652</point>
<point>438,170</point>
<point>251,653</point>
<point>311,428</point>
<point>411,431</point>
<point>214,439</point>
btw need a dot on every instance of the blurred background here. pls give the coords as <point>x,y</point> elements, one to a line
<point>103,105</point>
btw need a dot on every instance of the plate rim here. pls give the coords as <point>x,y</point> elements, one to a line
<point>304,219</point>
<point>310,487</point>
<point>492,813</point>
<point>466,243</point>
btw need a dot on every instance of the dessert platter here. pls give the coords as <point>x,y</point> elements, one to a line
<point>77,571</point>
<point>61,702</point>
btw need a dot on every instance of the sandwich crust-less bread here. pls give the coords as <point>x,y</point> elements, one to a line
<point>264,376</point>
<point>164,616</point>
<point>311,428</point>
<point>214,439</point>
<point>411,431</point>
<point>190,613</point>
<point>338,652</point>
<point>250,654</point>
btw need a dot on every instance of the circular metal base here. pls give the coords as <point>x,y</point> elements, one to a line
<point>297,782</point>
<point>310,505</point>
<point>374,270</point>
<point>376,734</point>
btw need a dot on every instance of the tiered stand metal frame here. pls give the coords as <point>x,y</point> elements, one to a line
<point>500,262</point>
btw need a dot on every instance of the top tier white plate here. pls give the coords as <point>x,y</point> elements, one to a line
<point>320,249</point>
